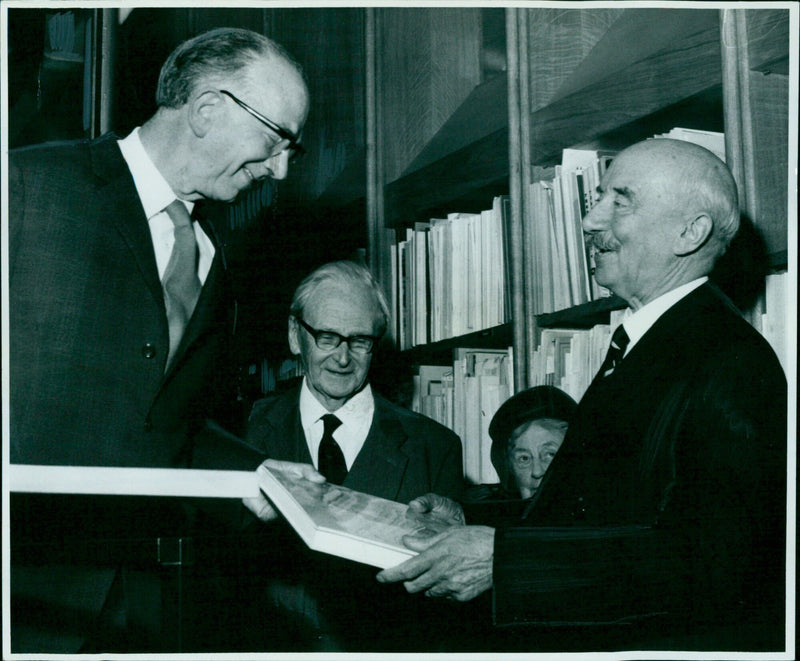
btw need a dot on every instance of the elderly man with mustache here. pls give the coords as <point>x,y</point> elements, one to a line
<point>661,522</point>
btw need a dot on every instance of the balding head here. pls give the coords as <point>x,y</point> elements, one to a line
<point>699,180</point>
<point>668,210</point>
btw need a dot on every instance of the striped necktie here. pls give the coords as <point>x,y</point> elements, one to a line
<point>619,342</point>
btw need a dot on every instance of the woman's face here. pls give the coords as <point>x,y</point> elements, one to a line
<point>531,448</point>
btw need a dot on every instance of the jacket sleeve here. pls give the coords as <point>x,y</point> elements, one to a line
<point>448,476</point>
<point>714,549</point>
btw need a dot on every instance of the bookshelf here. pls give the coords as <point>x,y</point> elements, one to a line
<point>584,78</point>
<point>578,88</point>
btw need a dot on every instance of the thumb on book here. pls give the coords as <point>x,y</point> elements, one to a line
<point>421,540</point>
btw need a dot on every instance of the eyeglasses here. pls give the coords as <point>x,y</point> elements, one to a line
<point>289,141</point>
<point>328,340</point>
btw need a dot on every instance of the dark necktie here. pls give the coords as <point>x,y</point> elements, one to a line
<point>181,284</point>
<point>331,460</point>
<point>619,342</point>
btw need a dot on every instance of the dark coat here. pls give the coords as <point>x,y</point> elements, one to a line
<point>327,603</point>
<point>404,456</point>
<point>666,502</point>
<point>88,328</point>
<point>88,345</point>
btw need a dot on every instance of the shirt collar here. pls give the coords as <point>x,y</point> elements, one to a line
<point>353,411</point>
<point>639,322</point>
<point>153,190</point>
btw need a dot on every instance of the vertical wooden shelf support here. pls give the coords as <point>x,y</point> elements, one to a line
<point>739,146</point>
<point>378,237</point>
<point>517,54</point>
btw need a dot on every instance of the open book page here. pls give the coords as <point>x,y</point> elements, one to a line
<point>347,523</point>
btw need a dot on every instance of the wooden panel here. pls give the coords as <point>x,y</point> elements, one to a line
<point>329,43</point>
<point>769,97</point>
<point>483,112</point>
<point>430,65</point>
<point>559,41</point>
<point>768,39</point>
<point>655,81</point>
<point>644,87</point>
<point>629,36</point>
<point>200,20</point>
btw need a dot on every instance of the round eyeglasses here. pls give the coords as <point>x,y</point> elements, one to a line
<point>328,340</point>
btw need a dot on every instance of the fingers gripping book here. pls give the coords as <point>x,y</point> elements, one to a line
<point>346,523</point>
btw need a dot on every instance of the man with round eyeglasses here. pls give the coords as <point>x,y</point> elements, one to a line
<point>337,317</point>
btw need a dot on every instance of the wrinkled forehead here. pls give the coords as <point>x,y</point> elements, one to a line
<point>333,298</point>
<point>536,432</point>
<point>279,87</point>
<point>660,162</point>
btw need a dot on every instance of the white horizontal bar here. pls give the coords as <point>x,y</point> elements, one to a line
<point>105,480</point>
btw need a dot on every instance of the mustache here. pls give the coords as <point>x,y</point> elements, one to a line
<point>600,241</point>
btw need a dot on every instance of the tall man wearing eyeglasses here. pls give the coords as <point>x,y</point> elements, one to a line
<point>93,341</point>
<point>117,297</point>
<point>337,317</point>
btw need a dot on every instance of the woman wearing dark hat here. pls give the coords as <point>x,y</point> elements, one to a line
<point>526,432</point>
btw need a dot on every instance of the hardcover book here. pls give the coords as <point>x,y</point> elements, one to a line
<point>346,523</point>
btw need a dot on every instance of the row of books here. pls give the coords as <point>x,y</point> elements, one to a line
<point>465,396</point>
<point>561,265</point>
<point>569,358</point>
<point>451,276</point>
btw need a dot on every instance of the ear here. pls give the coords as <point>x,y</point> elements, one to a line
<point>203,111</point>
<point>294,339</point>
<point>694,234</point>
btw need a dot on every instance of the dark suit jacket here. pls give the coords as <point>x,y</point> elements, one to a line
<point>88,345</point>
<point>666,502</point>
<point>404,456</point>
<point>89,338</point>
<point>324,599</point>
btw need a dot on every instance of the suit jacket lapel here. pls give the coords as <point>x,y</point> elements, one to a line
<point>380,466</point>
<point>124,208</point>
<point>280,433</point>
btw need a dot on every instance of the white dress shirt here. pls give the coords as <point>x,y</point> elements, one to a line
<point>639,322</point>
<point>355,416</point>
<point>155,194</point>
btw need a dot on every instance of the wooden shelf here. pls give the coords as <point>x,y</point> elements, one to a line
<point>441,353</point>
<point>481,114</point>
<point>585,315</point>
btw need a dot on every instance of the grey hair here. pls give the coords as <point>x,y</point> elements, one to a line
<point>345,272</point>
<point>716,193</point>
<point>224,52</point>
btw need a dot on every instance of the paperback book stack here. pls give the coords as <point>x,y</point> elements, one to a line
<point>450,276</point>
<point>465,396</point>
<point>561,264</point>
